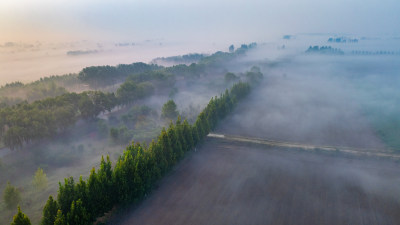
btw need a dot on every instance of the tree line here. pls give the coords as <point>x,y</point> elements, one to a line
<point>27,122</point>
<point>137,170</point>
<point>101,76</point>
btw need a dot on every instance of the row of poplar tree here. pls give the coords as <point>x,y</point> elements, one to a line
<point>137,170</point>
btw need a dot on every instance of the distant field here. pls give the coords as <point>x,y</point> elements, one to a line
<point>226,183</point>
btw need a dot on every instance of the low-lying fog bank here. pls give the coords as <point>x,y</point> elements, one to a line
<point>323,100</point>
<point>231,183</point>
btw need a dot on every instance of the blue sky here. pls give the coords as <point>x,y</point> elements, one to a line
<point>60,20</point>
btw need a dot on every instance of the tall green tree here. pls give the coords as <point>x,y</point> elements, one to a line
<point>60,219</point>
<point>20,218</point>
<point>188,135</point>
<point>78,214</point>
<point>66,194</point>
<point>49,212</point>
<point>174,140</point>
<point>107,190</point>
<point>166,148</point>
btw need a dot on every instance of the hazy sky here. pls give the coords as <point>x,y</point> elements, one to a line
<point>240,20</point>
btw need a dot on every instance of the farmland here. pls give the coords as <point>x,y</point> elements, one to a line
<point>225,182</point>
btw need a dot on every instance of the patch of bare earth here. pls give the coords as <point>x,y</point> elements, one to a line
<point>234,183</point>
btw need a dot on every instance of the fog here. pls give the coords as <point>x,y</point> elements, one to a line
<point>344,95</point>
<point>321,99</point>
<point>27,63</point>
<point>37,35</point>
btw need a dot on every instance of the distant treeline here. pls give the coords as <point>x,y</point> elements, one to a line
<point>188,58</point>
<point>27,122</point>
<point>81,52</point>
<point>97,77</point>
<point>380,52</point>
<point>342,40</point>
<point>328,50</point>
<point>336,51</point>
<point>17,92</point>
<point>137,170</point>
<point>101,76</point>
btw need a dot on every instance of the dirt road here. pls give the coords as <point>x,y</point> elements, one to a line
<point>342,149</point>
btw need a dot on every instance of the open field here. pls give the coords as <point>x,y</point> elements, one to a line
<point>235,183</point>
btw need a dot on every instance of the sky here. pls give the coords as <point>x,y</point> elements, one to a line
<point>36,35</point>
<point>192,21</point>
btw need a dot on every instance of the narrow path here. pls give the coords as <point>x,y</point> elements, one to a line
<point>308,147</point>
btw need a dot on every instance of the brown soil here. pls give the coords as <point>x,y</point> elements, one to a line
<point>234,183</point>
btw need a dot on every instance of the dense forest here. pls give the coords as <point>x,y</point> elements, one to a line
<point>70,123</point>
<point>137,170</point>
<point>26,121</point>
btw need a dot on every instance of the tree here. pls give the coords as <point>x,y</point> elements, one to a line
<point>231,48</point>
<point>230,77</point>
<point>20,218</point>
<point>78,214</point>
<point>127,92</point>
<point>66,194</point>
<point>104,176</point>
<point>49,212</point>
<point>60,219</point>
<point>40,179</point>
<point>187,132</point>
<point>169,110</point>
<point>11,196</point>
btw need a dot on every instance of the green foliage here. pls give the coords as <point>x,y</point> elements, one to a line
<point>193,57</point>
<point>100,189</point>
<point>78,214</point>
<point>41,119</point>
<point>60,219</point>
<point>131,91</point>
<point>159,78</point>
<point>187,72</point>
<point>120,135</point>
<point>254,76</point>
<point>101,76</point>
<point>27,122</point>
<point>11,196</point>
<point>49,212</point>
<point>137,115</point>
<point>20,218</point>
<point>230,77</point>
<point>169,110</point>
<point>44,90</point>
<point>66,194</point>
<point>16,92</point>
<point>40,179</point>
<point>140,166</point>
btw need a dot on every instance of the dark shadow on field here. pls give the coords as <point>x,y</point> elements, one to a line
<point>233,183</point>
